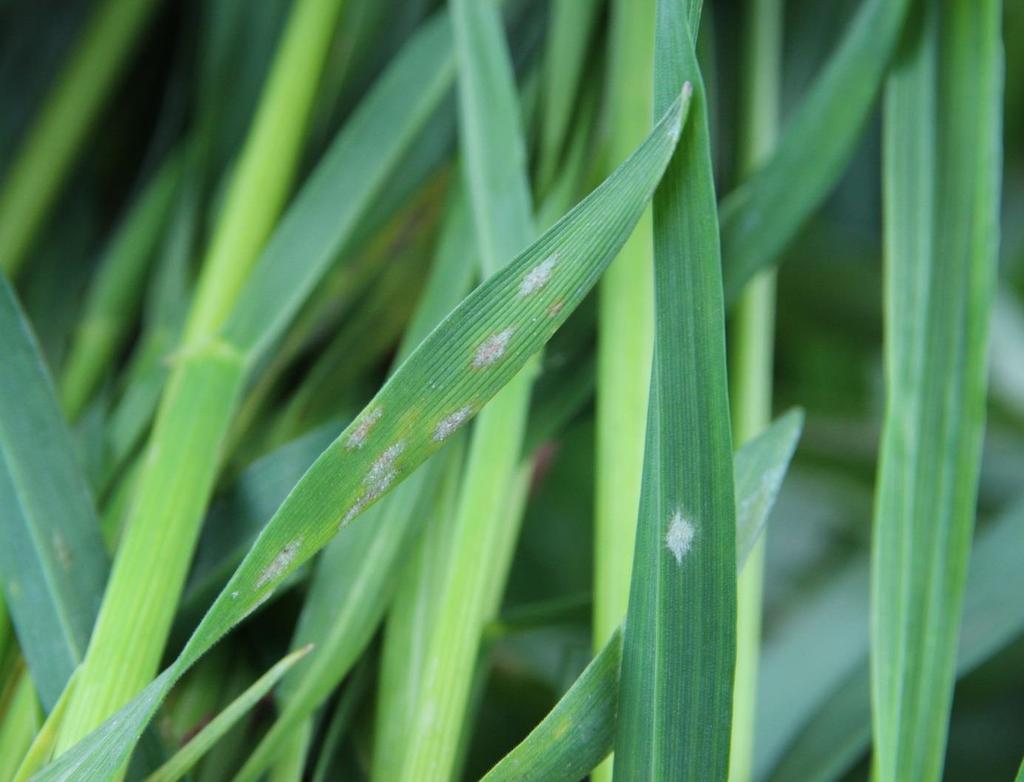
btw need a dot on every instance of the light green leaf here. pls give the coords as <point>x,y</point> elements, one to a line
<point>625,331</point>
<point>825,696</point>
<point>942,175</point>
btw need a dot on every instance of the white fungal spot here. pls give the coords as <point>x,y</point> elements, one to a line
<point>384,463</point>
<point>358,437</point>
<point>493,348</point>
<point>234,595</point>
<point>382,472</point>
<point>279,564</point>
<point>537,277</point>
<point>354,511</point>
<point>448,425</point>
<point>680,536</point>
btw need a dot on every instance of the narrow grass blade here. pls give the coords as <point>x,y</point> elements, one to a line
<point>762,215</point>
<point>827,706</point>
<point>682,603</point>
<point>942,172</point>
<point>578,733</point>
<point>114,294</point>
<point>52,559</point>
<point>54,140</point>
<point>341,721</point>
<point>291,760</point>
<point>183,452</point>
<point>571,27</point>
<point>185,758</point>
<point>381,448</point>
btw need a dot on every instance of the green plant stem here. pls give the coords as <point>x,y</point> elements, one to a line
<point>625,335</point>
<point>57,135</point>
<point>152,560</point>
<point>263,176</point>
<point>183,454</point>
<point>752,346</point>
<point>625,331</point>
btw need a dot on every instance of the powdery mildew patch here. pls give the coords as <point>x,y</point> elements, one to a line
<point>279,564</point>
<point>679,537</point>
<point>451,423</point>
<point>537,277</point>
<point>381,475</point>
<point>358,437</point>
<point>492,348</point>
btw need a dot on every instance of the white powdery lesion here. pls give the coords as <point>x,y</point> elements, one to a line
<point>450,424</point>
<point>492,348</point>
<point>279,564</point>
<point>679,537</point>
<point>358,437</point>
<point>379,477</point>
<point>383,469</point>
<point>537,277</point>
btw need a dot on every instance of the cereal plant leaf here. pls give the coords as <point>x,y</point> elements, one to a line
<point>942,143</point>
<point>578,732</point>
<point>461,364</point>
<point>52,559</point>
<point>679,642</point>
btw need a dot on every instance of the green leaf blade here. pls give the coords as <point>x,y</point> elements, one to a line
<point>53,561</point>
<point>941,196</point>
<point>579,732</point>
<point>679,642</point>
<point>763,214</point>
